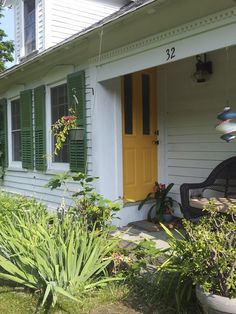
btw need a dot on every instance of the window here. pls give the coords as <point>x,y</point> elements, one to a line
<point>29,26</point>
<point>59,108</point>
<point>16,130</point>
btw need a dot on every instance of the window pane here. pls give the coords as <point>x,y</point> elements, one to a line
<point>146,103</point>
<point>128,104</point>
<point>29,26</point>
<point>16,146</point>
<point>16,130</point>
<point>59,108</point>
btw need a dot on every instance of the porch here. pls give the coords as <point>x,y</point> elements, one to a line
<point>189,146</point>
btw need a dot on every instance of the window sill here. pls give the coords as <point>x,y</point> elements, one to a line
<point>29,56</point>
<point>16,169</point>
<point>58,167</point>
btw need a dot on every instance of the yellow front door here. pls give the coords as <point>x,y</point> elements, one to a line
<point>139,134</point>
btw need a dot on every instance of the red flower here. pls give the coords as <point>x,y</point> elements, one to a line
<point>69,118</point>
<point>162,187</point>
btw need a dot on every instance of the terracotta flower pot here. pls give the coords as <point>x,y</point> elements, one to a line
<point>215,304</point>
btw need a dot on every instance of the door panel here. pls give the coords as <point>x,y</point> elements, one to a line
<point>139,126</point>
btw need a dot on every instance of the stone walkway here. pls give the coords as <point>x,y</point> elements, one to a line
<point>141,230</point>
<point>131,236</point>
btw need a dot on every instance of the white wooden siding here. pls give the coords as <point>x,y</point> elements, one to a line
<point>18,30</point>
<point>40,26</point>
<point>70,17</point>
<point>57,20</point>
<point>192,146</point>
<point>32,183</point>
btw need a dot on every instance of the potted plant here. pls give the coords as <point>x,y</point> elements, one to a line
<point>206,256</point>
<point>161,210</point>
<point>61,129</point>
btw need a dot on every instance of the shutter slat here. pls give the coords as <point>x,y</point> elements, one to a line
<point>78,149</point>
<point>3,132</point>
<point>26,129</point>
<point>40,128</point>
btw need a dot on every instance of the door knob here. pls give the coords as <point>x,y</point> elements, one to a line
<point>155,142</point>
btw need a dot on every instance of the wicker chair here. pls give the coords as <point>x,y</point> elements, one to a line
<point>219,186</point>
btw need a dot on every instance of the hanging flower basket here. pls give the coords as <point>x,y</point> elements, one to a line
<point>77,134</point>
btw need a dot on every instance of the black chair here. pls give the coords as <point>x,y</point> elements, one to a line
<point>221,183</point>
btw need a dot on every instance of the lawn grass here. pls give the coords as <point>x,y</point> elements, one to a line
<point>18,301</point>
<point>135,296</point>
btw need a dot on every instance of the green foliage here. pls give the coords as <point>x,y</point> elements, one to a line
<point>1,163</point>
<point>61,128</point>
<point>12,205</point>
<point>162,202</point>
<point>206,255</point>
<point>54,257</point>
<point>88,204</point>
<point>6,47</point>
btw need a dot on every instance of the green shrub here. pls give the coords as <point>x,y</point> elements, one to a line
<point>205,255</point>
<point>89,206</point>
<point>53,256</point>
<point>12,205</point>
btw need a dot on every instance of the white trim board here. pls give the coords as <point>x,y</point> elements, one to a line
<point>187,41</point>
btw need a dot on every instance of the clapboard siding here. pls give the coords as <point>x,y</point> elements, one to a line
<point>32,183</point>
<point>70,17</point>
<point>57,20</point>
<point>192,146</point>
<point>41,33</point>
<point>18,29</point>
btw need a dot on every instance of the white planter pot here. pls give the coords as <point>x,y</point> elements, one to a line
<point>215,304</point>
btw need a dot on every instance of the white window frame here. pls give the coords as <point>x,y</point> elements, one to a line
<point>23,54</point>
<point>11,164</point>
<point>58,166</point>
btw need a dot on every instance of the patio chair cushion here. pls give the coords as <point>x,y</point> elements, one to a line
<point>221,202</point>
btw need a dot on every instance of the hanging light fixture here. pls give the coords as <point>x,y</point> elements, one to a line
<point>203,69</point>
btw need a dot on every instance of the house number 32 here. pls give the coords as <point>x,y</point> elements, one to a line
<point>170,53</point>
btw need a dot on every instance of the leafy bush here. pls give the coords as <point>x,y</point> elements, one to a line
<point>12,205</point>
<point>55,257</point>
<point>206,255</point>
<point>88,204</point>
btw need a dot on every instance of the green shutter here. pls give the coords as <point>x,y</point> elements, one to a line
<point>76,88</point>
<point>3,132</point>
<point>26,129</point>
<point>40,128</point>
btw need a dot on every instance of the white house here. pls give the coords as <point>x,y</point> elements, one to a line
<point>134,73</point>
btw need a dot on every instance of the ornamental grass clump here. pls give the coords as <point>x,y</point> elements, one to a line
<point>54,257</point>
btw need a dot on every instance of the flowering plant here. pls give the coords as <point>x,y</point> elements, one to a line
<point>61,128</point>
<point>162,202</point>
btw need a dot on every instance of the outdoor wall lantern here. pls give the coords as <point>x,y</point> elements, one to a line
<point>77,134</point>
<point>203,69</point>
